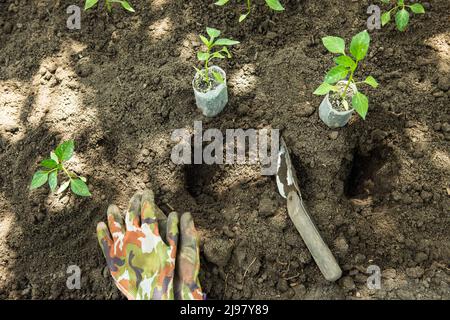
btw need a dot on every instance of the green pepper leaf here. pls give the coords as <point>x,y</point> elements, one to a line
<point>385,18</point>
<point>79,187</point>
<point>345,61</point>
<point>417,8</point>
<point>53,180</point>
<point>242,17</point>
<point>213,33</point>
<point>39,179</point>
<point>225,42</point>
<point>54,157</point>
<point>126,6</point>
<point>89,4</point>
<point>225,50</point>
<point>275,5</point>
<point>217,55</point>
<point>204,40</point>
<point>361,104</point>
<point>63,187</point>
<point>402,19</point>
<point>334,44</point>
<point>65,150</point>
<point>324,88</point>
<point>203,56</point>
<point>221,2</point>
<point>371,82</point>
<point>49,163</point>
<point>218,77</point>
<point>360,45</point>
<point>336,74</point>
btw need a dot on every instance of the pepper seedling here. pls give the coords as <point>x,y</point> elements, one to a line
<point>211,53</point>
<point>273,4</point>
<point>401,14</point>
<point>347,65</point>
<point>108,3</point>
<point>54,165</point>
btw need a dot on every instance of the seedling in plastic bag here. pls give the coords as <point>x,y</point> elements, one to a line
<point>216,48</point>
<point>346,66</point>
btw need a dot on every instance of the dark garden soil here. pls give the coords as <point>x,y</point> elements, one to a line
<point>378,189</point>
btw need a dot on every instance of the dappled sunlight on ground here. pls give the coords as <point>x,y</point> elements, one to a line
<point>441,43</point>
<point>441,160</point>
<point>243,80</point>
<point>190,44</point>
<point>13,95</point>
<point>6,222</point>
<point>161,29</point>
<point>158,4</point>
<point>59,95</point>
<point>383,224</point>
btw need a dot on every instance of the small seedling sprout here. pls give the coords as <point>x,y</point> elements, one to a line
<point>55,164</point>
<point>401,14</point>
<point>273,4</point>
<point>108,3</point>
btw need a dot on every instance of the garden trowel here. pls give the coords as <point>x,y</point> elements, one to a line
<point>288,188</point>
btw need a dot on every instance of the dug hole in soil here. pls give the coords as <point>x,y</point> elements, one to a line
<point>378,189</point>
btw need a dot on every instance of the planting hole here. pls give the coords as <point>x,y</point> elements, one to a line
<point>371,173</point>
<point>199,178</point>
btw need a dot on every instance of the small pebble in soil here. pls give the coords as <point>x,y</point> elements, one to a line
<point>446,127</point>
<point>51,67</point>
<point>145,152</point>
<point>304,110</point>
<point>444,82</point>
<point>279,222</point>
<point>401,86</point>
<point>426,196</point>
<point>267,207</point>
<point>8,27</point>
<point>218,251</point>
<point>437,126</point>
<point>396,196</point>
<point>360,258</point>
<point>282,285</point>
<point>333,135</point>
<point>341,245</point>
<point>418,153</point>
<point>421,257</point>
<point>83,68</point>
<point>378,135</point>
<point>347,283</point>
<point>389,273</point>
<point>415,272</point>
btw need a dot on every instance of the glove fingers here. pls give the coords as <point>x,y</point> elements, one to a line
<point>132,219</point>
<point>104,238</point>
<point>189,248</point>
<point>188,262</point>
<point>172,233</point>
<point>149,196</point>
<point>148,211</point>
<point>115,221</point>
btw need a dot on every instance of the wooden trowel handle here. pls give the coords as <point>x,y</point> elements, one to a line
<point>311,236</point>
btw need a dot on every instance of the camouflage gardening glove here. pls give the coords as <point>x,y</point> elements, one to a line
<point>187,284</point>
<point>141,263</point>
